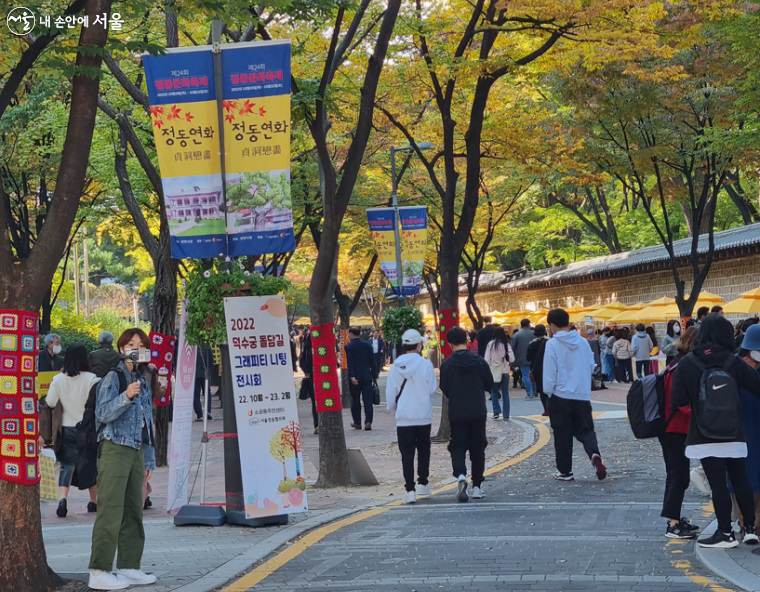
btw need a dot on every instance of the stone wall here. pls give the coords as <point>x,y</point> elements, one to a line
<point>727,278</point>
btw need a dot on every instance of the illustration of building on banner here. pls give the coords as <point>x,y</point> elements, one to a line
<point>271,459</point>
<point>382,224</point>
<point>257,217</point>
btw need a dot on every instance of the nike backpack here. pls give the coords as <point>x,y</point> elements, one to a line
<point>718,407</point>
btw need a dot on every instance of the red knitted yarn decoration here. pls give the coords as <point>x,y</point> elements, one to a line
<point>326,382</point>
<point>448,318</point>
<point>19,416</point>
<point>162,357</point>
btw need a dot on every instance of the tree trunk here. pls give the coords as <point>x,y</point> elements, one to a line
<point>23,562</point>
<point>46,311</point>
<point>449,299</point>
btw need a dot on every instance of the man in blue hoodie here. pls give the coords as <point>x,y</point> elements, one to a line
<point>568,366</point>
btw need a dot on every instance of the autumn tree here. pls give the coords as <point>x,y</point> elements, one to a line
<point>24,280</point>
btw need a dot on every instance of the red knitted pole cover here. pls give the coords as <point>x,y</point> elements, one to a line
<point>326,382</point>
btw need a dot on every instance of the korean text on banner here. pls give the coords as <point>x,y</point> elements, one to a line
<point>257,217</point>
<point>182,421</point>
<point>382,225</point>
<point>413,242</point>
<point>269,433</point>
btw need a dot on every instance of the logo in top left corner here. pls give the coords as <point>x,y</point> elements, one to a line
<point>21,20</point>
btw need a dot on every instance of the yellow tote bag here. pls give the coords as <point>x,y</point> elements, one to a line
<point>47,475</point>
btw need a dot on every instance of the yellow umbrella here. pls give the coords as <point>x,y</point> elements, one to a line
<point>575,308</point>
<point>302,321</point>
<point>749,303</point>
<point>630,315</point>
<point>580,316</point>
<point>606,312</point>
<point>658,311</point>
<point>707,299</point>
<point>538,316</point>
<point>361,321</point>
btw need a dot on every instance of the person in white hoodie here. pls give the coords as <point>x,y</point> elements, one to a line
<point>568,366</point>
<point>408,392</point>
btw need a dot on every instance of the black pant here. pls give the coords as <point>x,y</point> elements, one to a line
<point>642,368</point>
<point>626,370</point>
<point>411,438</point>
<point>314,414</point>
<point>569,418</point>
<point>359,392</point>
<point>198,398</point>
<point>469,435</point>
<point>380,361</point>
<point>716,469</point>
<point>677,474</point>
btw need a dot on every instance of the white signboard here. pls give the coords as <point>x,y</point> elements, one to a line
<point>271,457</point>
<point>182,421</point>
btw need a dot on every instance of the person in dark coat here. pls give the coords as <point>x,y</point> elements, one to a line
<point>306,362</point>
<point>535,354</point>
<point>202,365</point>
<point>361,371</point>
<point>50,359</point>
<point>106,358</point>
<point>378,347</point>
<point>465,378</point>
<point>485,335</point>
<point>714,349</point>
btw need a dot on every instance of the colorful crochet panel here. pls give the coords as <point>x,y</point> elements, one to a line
<point>448,318</point>
<point>162,357</point>
<point>19,332</point>
<point>326,382</point>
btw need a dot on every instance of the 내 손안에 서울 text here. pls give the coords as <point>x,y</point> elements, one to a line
<point>22,21</point>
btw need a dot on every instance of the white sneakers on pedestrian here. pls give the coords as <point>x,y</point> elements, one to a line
<point>478,493</point>
<point>462,489</point>
<point>424,490</point>
<point>104,580</point>
<point>136,577</point>
<point>410,497</point>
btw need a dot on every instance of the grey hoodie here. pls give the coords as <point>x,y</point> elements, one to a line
<point>641,346</point>
<point>568,366</point>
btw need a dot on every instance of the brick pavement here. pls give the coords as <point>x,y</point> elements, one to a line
<point>530,533</point>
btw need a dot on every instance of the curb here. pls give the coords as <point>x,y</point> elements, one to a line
<point>722,565</point>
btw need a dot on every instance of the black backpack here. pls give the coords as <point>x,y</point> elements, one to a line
<point>718,407</point>
<point>646,406</point>
<point>87,435</point>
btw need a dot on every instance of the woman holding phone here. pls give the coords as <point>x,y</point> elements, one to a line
<point>126,458</point>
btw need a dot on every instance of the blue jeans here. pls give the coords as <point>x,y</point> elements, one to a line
<point>525,370</point>
<point>502,386</point>
<point>608,367</point>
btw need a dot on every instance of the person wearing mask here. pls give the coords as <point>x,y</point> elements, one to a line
<point>641,349</point>
<point>500,357</point>
<point>378,348</point>
<point>72,388</point>
<point>520,343</point>
<point>105,358</point>
<point>707,380</point>
<point>306,363</point>
<point>670,341</point>
<point>50,356</point>
<point>750,353</point>
<point>485,335</point>
<point>702,312</point>
<point>622,352</point>
<point>409,393</point>
<point>568,366</point>
<point>654,363</point>
<point>361,371</point>
<point>465,378</point>
<point>536,350</point>
<point>673,444</point>
<point>126,458</point>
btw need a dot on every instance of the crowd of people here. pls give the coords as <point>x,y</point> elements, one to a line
<point>98,415</point>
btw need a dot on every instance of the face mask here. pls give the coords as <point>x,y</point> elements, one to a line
<point>56,349</point>
<point>676,329</point>
<point>755,355</point>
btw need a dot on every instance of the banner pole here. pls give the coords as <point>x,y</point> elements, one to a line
<point>216,50</point>
<point>204,440</point>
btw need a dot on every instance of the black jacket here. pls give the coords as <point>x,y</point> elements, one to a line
<point>536,350</point>
<point>465,378</point>
<point>48,362</point>
<point>485,335</point>
<point>306,359</point>
<point>687,379</point>
<point>361,360</point>
<point>103,360</point>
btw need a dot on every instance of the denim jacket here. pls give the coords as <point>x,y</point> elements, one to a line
<point>122,419</point>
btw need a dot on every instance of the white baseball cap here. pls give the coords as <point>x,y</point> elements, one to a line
<point>411,337</point>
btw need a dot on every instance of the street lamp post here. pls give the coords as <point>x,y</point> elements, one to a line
<point>397,220</point>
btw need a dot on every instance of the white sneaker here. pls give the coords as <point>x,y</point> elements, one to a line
<point>136,577</point>
<point>478,493</point>
<point>462,489</point>
<point>424,490</point>
<point>410,497</point>
<point>104,580</point>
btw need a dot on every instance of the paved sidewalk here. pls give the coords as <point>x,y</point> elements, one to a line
<point>198,559</point>
<point>740,566</point>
